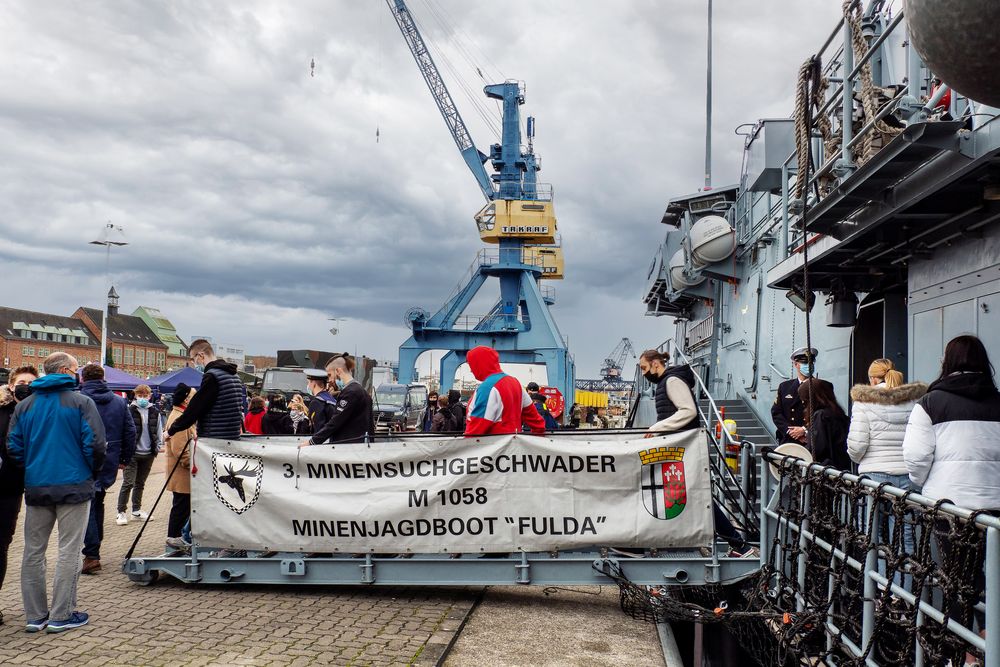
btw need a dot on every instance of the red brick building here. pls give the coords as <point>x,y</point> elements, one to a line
<point>134,347</point>
<point>27,337</point>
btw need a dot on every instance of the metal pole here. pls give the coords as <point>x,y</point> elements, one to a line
<point>745,463</point>
<point>783,246</point>
<point>847,100</point>
<point>912,68</point>
<point>104,319</point>
<point>708,106</point>
<point>699,642</point>
<point>871,562</point>
<point>992,597</point>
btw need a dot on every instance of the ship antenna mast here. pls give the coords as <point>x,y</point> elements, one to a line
<point>708,106</point>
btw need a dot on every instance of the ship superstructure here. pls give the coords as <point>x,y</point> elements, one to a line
<point>902,230</point>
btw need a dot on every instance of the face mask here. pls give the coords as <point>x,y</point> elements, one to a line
<point>143,402</point>
<point>200,368</point>
<point>651,376</point>
<point>21,392</point>
<point>806,369</point>
<point>340,383</point>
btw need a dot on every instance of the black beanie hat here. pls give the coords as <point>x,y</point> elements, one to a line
<point>181,394</point>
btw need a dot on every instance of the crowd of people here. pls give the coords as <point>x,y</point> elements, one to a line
<point>941,439</point>
<point>63,444</point>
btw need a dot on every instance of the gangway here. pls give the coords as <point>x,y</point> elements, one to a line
<point>574,566</point>
<point>833,581</point>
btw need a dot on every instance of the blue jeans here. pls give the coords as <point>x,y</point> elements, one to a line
<point>909,538</point>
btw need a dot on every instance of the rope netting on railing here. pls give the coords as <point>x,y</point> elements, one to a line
<point>828,536</point>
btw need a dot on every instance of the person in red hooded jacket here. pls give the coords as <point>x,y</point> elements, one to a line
<point>500,404</point>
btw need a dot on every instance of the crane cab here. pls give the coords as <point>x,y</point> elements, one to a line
<point>549,258</point>
<point>528,220</point>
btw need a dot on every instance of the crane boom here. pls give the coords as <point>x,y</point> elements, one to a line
<point>612,367</point>
<point>446,105</point>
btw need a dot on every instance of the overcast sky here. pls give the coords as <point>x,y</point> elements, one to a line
<point>255,197</point>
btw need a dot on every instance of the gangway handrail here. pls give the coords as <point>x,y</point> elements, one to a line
<point>745,503</point>
<point>727,436</point>
<point>982,520</point>
<point>871,564</point>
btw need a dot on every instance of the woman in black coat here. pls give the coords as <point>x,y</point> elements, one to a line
<point>277,420</point>
<point>827,424</point>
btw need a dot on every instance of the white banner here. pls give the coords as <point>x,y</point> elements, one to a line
<point>420,495</point>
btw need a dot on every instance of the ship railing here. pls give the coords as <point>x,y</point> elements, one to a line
<point>490,256</point>
<point>471,322</point>
<point>838,542</point>
<point>844,71</point>
<point>701,332</point>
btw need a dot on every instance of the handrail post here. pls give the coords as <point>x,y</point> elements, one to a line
<point>766,535</point>
<point>918,648</point>
<point>745,464</point>
<point>871,562</point>
<point>783,247</point>
<point>992,564</point>
<point>847,104</point>
<point>803,540</point>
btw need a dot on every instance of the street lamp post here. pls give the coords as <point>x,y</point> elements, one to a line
<point>111,235</point>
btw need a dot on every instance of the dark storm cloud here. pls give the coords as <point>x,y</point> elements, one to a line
<point>237,174</point>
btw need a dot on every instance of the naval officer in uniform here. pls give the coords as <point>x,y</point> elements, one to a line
<point>787,411</point>
<point>323,405</point>
<point>351,417</point>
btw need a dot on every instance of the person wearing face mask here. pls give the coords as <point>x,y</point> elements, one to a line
<point>676,411</point>
<point>11,477</point>
<point>57,436</point>
<point>352,416</point>
<point>119,431</point>
<point>218,407</point>
<point>787,412</point>
<point>299,414</point>
<point>674,397</point>
<point>148,441</point>
<point>323,404</point>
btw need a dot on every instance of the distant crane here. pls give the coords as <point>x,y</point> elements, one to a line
<point>611,370</point>
<point>519,217</point>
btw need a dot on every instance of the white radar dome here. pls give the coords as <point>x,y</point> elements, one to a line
<point>677,277</point>
<point>712,239</point>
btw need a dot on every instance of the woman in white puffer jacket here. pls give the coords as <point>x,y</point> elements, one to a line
<point>878,423</point>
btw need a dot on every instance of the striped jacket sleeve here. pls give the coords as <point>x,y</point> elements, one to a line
<point>485,409</point>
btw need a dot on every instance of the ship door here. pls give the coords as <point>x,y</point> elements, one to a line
<point>879,333</point>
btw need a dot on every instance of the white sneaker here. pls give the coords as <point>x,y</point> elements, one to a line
<point>140,515</point>
<point>121,519</point>
<point>178,543</point>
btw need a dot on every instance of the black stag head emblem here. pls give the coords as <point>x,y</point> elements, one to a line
<point>235,479</point>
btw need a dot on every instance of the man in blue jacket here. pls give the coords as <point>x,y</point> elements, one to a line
<point>57,436</point>
<point>119,432</point>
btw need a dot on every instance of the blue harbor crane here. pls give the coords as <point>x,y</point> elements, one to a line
<point>520,219</point>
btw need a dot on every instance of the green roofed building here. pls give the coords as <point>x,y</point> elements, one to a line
<point>177,350</point>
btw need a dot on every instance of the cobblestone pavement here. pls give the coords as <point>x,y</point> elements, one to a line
<point>171,623</point>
